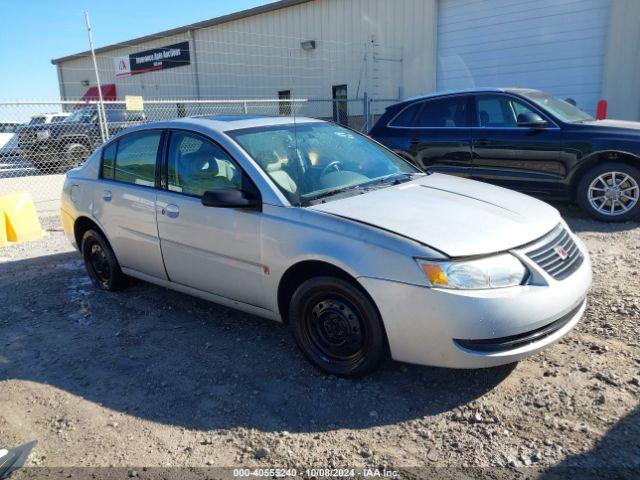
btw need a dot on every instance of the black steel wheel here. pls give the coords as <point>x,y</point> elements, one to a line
<point>610,192</point>
<point>337,327</point>
<point>101,263</point>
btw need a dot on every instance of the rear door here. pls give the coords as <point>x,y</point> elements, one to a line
<point>125,201</point>
<point>216,250</point>
<point>524,158</point>
<point>436,134</point>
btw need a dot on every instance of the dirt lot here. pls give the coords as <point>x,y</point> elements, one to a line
<point>150,377</point>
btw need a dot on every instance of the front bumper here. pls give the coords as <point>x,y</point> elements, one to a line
<point>425,325</point>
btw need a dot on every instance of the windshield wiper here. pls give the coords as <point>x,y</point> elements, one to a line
<point>331,193</point>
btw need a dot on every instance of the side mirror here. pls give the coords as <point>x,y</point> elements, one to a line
<point>531,120</point>
<point>229,198</point>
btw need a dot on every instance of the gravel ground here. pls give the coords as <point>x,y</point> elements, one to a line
<point>150,377</point>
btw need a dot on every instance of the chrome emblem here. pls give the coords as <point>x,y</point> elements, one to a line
<point>561,252</point>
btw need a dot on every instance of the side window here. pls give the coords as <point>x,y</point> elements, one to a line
<point>406,116</point>
<point>197,165</point>
<point>499,111</point>
<point>444,112</point>
<point>136,158</point>
<point>109,160</point>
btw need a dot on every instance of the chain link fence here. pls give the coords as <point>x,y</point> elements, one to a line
<point>40,141</point>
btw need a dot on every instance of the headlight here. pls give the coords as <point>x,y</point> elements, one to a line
<point>490,272</point>
<point>43,134</point>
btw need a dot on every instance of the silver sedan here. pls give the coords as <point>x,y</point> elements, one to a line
<point>309,223</point>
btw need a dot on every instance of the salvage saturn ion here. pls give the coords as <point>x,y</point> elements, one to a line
<point>309,223</point>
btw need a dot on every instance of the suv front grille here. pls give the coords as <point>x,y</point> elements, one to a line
<point>559,256</point>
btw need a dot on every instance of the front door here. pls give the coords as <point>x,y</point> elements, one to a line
<point>216,250</point>
<point>340,106</point>
<point>125,202</point>
<point>524,158</point>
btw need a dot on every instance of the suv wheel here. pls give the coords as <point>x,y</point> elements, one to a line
<point>74,155</point>
<point>611,192</point>
<point>101,263</point>
<point>337,327</point>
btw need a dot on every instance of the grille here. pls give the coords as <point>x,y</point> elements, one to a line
<point>559,256</point>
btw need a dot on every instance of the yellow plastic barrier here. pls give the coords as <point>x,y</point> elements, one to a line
<point>18,219</point>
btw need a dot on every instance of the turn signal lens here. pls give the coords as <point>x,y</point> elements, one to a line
<point>435,274</point>
<point>491,272</point>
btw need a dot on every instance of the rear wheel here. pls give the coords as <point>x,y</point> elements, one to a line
<point>337,327</point>
<point>101,263</point>
<point>611,192</point>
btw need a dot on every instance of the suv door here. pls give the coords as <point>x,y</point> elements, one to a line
<point>436,133</point>
<point>216,250</point>
<point>125,201</point>
<point>524,158</point>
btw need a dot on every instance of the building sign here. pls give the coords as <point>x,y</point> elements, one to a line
<point>155,59</point>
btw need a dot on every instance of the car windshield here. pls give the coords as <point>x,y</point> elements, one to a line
<point>37,120</point>
<point>82,115</point>
<point>559,108</point>
<point>316,160</point>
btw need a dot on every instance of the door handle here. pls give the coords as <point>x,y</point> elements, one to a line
<point>171,211</point>
<point>106,195</point>
<point>482,142</point>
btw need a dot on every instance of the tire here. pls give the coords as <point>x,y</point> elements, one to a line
<point>597,183</point>
<point>73,156</point>
<point>101,263</point>
<point>337,327</point>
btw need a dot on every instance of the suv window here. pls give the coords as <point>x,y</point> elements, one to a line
<point>197,165</point>
<point>133,158</point>
<point>406,116</point>
<point>444,112</point>
<point>499,111</point>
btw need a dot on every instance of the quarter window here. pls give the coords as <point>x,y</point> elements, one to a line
<point>132,159</point>
<point>197,165</point>
<point>443,112</point>
<point>499,111</point>
<point>405,118</point>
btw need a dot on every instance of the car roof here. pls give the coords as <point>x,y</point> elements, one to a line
<point>225,123</point>
<point>444,93</point>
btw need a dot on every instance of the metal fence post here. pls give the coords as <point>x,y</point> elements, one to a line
<point>102,118</point>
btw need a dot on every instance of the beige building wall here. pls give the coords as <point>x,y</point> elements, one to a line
<point>382,47</point>
<point>621,83</point>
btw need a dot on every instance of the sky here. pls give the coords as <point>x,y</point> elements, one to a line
<point>32,32</point>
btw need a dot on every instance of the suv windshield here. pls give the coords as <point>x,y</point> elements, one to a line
<point>559,108</point>
<point>82,115</point>
<point>315,160</point>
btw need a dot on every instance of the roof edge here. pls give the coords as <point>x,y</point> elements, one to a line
<point>250,12</point>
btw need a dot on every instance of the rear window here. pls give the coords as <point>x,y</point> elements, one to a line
<point>132,159</point>
<point>405,117</point>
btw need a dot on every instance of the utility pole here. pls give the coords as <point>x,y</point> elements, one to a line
<point>102,118</point>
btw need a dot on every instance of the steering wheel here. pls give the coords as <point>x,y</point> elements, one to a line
<point>335,165</point>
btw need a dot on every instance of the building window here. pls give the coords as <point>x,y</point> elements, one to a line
<point>340,111</point>
<point>284,108</point>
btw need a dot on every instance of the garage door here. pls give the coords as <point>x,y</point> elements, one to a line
<point>554,45</point>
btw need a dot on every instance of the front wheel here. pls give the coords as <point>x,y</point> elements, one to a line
<point>337,327</point>
<point>610,192</point>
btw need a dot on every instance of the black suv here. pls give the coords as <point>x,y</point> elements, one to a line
<point>521,139</point>
<point>63,145</point>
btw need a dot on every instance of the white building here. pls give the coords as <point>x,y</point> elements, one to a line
<point>586,50</point>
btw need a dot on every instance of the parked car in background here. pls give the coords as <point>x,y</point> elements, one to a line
<point>52,147</point>
<point>46,118</point>
<point>522,139</point>
<point>309,223</point>
<point>9,139</point>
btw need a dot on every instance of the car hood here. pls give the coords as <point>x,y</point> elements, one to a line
<point>614,124</point>
<point>456,216</point>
